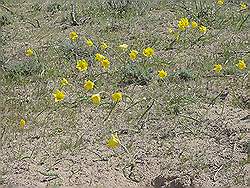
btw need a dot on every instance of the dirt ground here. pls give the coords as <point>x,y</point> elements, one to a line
<point>202,143</point>
<point>167,153</point>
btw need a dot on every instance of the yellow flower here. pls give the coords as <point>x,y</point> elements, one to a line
<point>29,52</point>
<point>177,36</point>
<point>117,97</point>
<point>217,68</point>
<point>96,99</point>
<point>133,55</point>
<point>89,42</point>
<point>59,95</point>
<point>148,52</point>
<point>99,57</point>
<point>103,46</point>
<point>220,2</point>
<point>243,6</point>
<point>241,64</point>
<point>162,74</point>
<point>203,29</point>
<point>183,24</point>
<point>88,85</point>
<point>170,30</point>
<point>194,24</point>
<point>113,142</point>
<point>105,63</point>
<point>123,46</point>
<point>22,123</point>
<point>82,65</point>
<point>73,36</point>
<point>64,82</point>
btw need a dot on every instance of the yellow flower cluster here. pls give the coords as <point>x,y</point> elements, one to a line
<point>82,65</point>
<point>220,2</point>
<point>241,65</point>
<point>105,63</point>
<point>183,24</point>
<point>147,52</point>
<point>243,6</point>
<point>102,56</point>
<point>96,98</point>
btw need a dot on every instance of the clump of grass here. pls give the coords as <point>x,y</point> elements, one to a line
<point>22,70</point>
<point>54,7</point>
<point>5,19</point>
<point>135,74</point>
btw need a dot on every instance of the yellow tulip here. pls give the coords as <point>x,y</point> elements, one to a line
<point>22,123</point>
<point>220,2</point>
<point>82,65</point>
<point>103,46</point>
<point>113,142</point>
<point>96,99</point>
<point>89,42</point>
<point>59,95</point>
<point>218,68</point>
<point>88,85</point>
<point>162,74</point>
<point>117,97</point>
<point>133,55</point>
<point>99,57</point>
<point>105,63</point>
<point>243,6</point>
<point>241,64</point>
<point>194,24</point>
<point>73,36</point>
<point>29,52</point>
<point>148,52</point>
<point>64,82</point>
<point>203,29</point>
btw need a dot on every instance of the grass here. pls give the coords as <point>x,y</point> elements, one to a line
<point>187,129</point>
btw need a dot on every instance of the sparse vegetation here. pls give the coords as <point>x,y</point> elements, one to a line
<point>124,93</point>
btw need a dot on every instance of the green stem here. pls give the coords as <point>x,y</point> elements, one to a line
<point>113,107</point>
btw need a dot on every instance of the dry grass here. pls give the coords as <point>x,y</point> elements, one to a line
<point>176,132</point>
